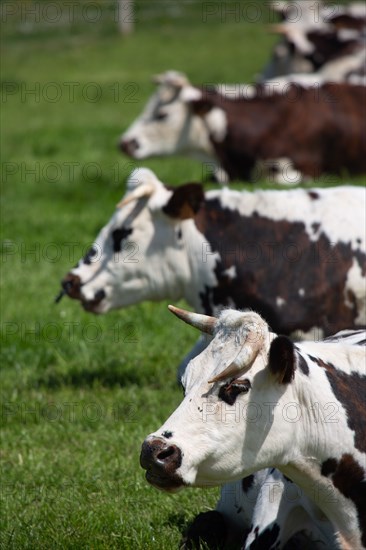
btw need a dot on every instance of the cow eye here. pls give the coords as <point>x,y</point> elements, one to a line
<point>160,115</point>
<point>230,391</point>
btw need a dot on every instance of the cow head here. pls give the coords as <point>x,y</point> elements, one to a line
<point>167,125</point>
<point>217,433</point>
<point>140,254</point>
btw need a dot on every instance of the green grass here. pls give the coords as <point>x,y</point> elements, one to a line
<point>80,393</point>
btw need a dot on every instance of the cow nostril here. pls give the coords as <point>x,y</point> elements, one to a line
<point>129,146</point>
<point>71,285</point>
<point>167,453</point>
<point>68,286</point>
<point>99,295</point>
<point>156,454</point>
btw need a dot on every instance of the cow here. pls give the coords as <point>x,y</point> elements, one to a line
<point>296,256</point>
<point>328,40</point>
<point>334,55</point>
<point>241,127</point>
<point>235,417</point>
<point>337,55</point>
<point>221,247</point>
<point>278,514</point>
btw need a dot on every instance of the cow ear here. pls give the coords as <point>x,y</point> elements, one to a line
<point>282,359</point>
<point>185,201</point>
<point>197,100</point>
<point>201,107</point>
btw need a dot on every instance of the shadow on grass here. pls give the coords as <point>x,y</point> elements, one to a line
<point>206,531</point>
<point>104,375</point>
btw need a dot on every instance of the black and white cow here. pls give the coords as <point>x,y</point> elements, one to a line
<point>297,256</point>
<point>255,400</point>
<point>298,127</point>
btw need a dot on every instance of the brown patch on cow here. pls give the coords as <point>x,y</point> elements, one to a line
<point>329,46</point>
<point>273,126</point>
<point>347,21</point>
<point>350,479</point>
<point>313,195</point>
<point>276,258</point>
<point>281,359</point>
<point>230,391</point>
<point>185,201</point>
<point>350,390</point>
<point>71,285</point>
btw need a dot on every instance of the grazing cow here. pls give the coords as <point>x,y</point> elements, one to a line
<point>255,400</point>
<point>301,129</point>
<point>297,257</point>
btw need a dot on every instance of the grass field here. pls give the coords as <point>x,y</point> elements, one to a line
<point>80,393</point>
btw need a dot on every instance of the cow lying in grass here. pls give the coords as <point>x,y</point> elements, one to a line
<point>252,401</point>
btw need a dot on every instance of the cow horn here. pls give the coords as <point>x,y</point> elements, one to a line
<point>279,28</point>
<point>172,78</point>
<point>204,323</point>
<point>245,358</point>
<point>145,190</point>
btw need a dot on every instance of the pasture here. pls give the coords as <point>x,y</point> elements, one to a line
<point>79,393</point>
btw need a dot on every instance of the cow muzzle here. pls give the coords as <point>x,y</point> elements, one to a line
<point>161,462</point>
<point>71,286</point>
<point>129,146</point>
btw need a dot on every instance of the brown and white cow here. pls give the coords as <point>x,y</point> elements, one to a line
<point>298,257</point>
<point>295,129</point>
<point>316,129</point>
<point>255,400</point>
<point>327,39</point>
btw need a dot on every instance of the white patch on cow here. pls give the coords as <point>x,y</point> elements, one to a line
<point>348,34</point>
<point>280,302</point>
<point>356,9</point>
<point>339,69</point>
<point>230,272</point>
<point>251,92</point>
<point>190,93</point>
<point>216,121</point>
<point>356,285</point>
<point>282,85</point>
<point>314,334</point>
<point>296,205</point>
<point>301,292</point>
<point>299,38</point>
<point>235,91</point>
<point>280,171</point>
